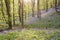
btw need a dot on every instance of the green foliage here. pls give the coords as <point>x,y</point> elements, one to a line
<point>31,35</point>
<point>9,36</point>
<point>49,21</point>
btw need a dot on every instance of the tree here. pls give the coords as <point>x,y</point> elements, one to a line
<point>56,5</point>
<point>28,11</point>
<point>13,14</point>
<point>46,5</point>
<point>51,4</point>
<point>8,13</point>
<point>20,7</point>
<point>38,9</point>
<point>33,5</point>
<point>22,18</point>
<point>58,2</point>
<point>2,10</point>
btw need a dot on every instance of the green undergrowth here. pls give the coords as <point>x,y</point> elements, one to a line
<point>31,35</point>
<point>51,20</point>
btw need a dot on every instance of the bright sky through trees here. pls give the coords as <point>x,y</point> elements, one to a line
<point>29,0</point>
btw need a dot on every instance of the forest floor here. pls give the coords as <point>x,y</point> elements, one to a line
<point>31,34</point>
<point>43,14</point>
<point>33,29</point>
<point>33,20</point>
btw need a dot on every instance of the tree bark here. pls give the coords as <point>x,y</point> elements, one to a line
<point>22,18</point>
<point>56,5</point>
<point>20,7</point>
<point>3,14</point>
<point>33,4</point>
<point>46,5</point>
<point>38,9</point>
<point>13,14</point>
<point>8,13</point>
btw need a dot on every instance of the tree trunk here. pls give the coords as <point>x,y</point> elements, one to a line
<point>8,13</point>
<point>33,4</point>
<point>50,4</point>
<point>13,14</point>
<point>38,9</point>
<point>58,2</point>
<point>20,7</point>
<point>22,20</point>
<point>46,5</point>
<point>3,14</point>
<point>56,5</point>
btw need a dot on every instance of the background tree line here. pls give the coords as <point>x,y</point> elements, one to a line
<point>17,12</point>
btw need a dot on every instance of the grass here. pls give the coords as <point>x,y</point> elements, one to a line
<point>31,35</point>
<point>51,20</point>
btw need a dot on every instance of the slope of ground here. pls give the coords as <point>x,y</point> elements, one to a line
<point>51,20</point>
<point>43,14</point>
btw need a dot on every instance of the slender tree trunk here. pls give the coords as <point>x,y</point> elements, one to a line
<point>20,7</point>
<point>50,4</point>
<point>25,15</point>
<point>46,5</point>
<point>33,5</point>
<point>8,13</point>
<point>38,9</point>
<point>28,10</point>
<point>56,5</point>
<point>13,14</point>
<point>58,2</point>
<point>53,3</point>
<point>22,20</point>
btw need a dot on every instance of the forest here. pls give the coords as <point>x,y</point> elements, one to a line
<point>29,19</point>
